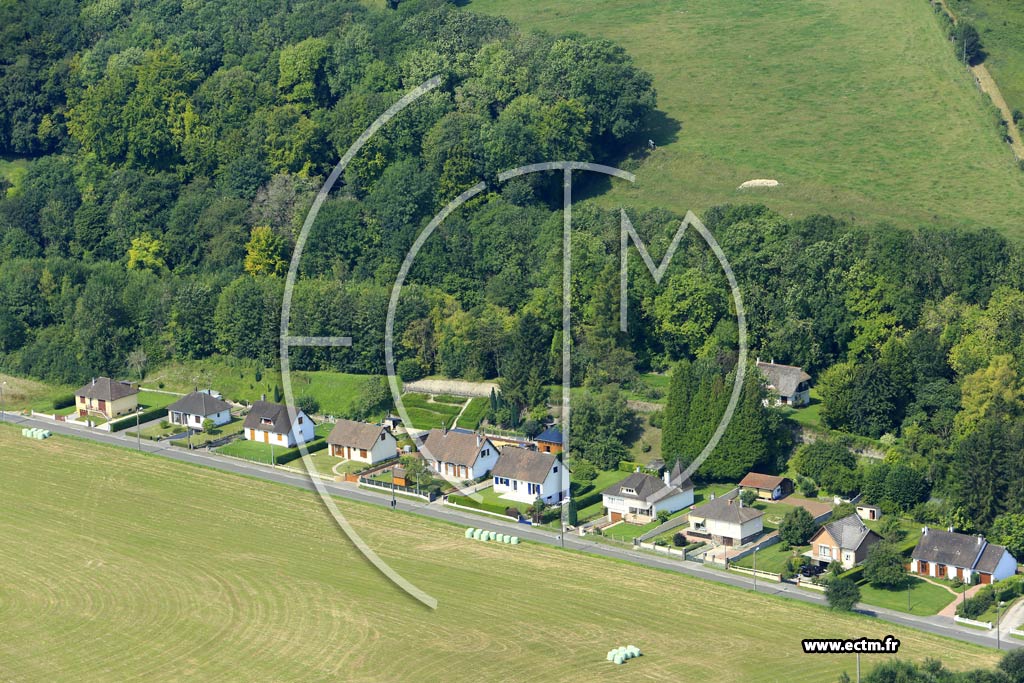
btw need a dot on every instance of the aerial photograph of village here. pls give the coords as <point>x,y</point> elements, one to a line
<point>512,340</point>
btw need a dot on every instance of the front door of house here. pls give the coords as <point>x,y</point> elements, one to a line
<point>103,406</point>
<point>266,437</point>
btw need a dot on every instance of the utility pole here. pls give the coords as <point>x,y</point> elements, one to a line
<point>273,462</point>
<point>755,567</point>
<point>999,606</point>
<point>3,411</point>
<point>858,667</point>
<point>138,434</point>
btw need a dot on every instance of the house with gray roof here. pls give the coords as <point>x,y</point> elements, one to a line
<point>362,442</point>
<point>192,410</point>
<point>972,559</point>
<point>640,497</point>
<point>789,383</point>
<point>845,540</point>
<point>107,398</point>
<point>725,520</point>
<point>458,454</point>
<point>271,423</point>
<point>524,475</point>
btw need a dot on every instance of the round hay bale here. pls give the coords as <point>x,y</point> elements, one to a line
<point>618,659</point>
<point>478,534</point>
<point>611,655</point>
<point>469,532</point>
<point>515,540</point>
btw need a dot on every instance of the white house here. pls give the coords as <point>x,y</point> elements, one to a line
<point>640,497</point>
<point>788,383</point>
<point>524,475</point>
<point>361,441</point>
<point>192,410</point>
<point>726,520</point>
<point>270,423</point>
<point>949,555</point>
<point>459,454</point>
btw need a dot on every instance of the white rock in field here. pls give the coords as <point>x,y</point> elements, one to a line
<point>759,182</point>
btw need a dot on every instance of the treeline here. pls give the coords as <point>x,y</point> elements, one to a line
<point>1009,670</point>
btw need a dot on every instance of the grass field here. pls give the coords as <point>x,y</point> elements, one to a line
<point>925,598</point>
<point>426,414</point>
<point>334,391</point>
<point>859,109</point>
<point>773,558</point>
<point>999,23</point>
<point>253,582</point>
<point>474,413</point>
<point>23,394</point>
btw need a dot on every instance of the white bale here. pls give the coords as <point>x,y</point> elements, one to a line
<point>469,532</point>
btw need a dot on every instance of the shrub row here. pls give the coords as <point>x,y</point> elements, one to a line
<point>587,500</point>
<point>627,466</point>
<point>145,416</point>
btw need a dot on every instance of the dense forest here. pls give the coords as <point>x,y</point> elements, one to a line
<point>174,147</point>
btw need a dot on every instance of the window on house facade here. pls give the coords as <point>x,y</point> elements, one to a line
<point>300,419</point>
<point>533,488</point>
<point>824,551</point>
<point>266,421</point>
<point>555,468</point>
<point>501,481</point>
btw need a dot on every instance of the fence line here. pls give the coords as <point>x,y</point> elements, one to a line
<point>404,490</point>
<point>759,572</point>
<point>671,524</point>
<point>971,622</point>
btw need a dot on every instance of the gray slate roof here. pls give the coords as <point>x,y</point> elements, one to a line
<point>949,548</point>
<point>849,532</point>
<point>648,488</point>
<point>523,464</point>
<point>362,435</point>
<point>990,558</point>
<point>275,412</point>
<point>552,434</point>
<point>783,378</point>
<point>199,403</point>
<point>106,389</point>
<point>460,448</point>
<point>727,508</point>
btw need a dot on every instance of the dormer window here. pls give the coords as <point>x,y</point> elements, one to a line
<point>266,421</point>
<point>631,492</point>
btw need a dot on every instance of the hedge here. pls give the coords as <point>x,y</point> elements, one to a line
<point>627,466</point>
<point>972,608</point>
<point>854,574</point>
<point>283,459</point>
<point>65,401</point>
<point>145,416</point>
<point>588,500</point>
<point>481,505</point>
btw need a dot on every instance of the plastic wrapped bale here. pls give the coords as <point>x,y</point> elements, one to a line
<point>506,539</point>
<point>618,658</point>
<point>633,650</point>
<point>515,540</point>
<point>477,533</point>
<point>493,535</point>
<point>611,655</point>
<point>469,532</point>
<point>24,431</point>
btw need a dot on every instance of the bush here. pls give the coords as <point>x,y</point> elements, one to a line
<point>583,470</point>
<point>627,466</point>
<point>842,594</point>
<point>146,416</point>
<point>808,489</point>
<point>410,370</point>
<point>663,516</point>
<point>307,404</point>
<point>65,401</point>
<point>748,496</point>
<point>679,539</point>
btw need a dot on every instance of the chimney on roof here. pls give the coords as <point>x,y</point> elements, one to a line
<point>263,397</point>
<point>94,381</point>
<point>979,539</point>
<point>950,528</point>
<point>729,501</point>
<point>478,439</point>
<point>924,531</point>
<point>667,476</point>
<point>712,497</point>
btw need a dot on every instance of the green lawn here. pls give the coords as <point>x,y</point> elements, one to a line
<point>262,562</point>
<point>236,380</point>
<point>925,598</point>
<point>425,414</point>
<point>474,413</point>
<point>773,558</point>
<point>1000,24</point>
<point>858,109</point>
<point>155,399</point>
<point>233,427</point>
<point>604,480</point>
<point>809,415</point>
<point>20,393</point>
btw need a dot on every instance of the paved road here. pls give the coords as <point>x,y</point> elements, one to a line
<point>350,491</point>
